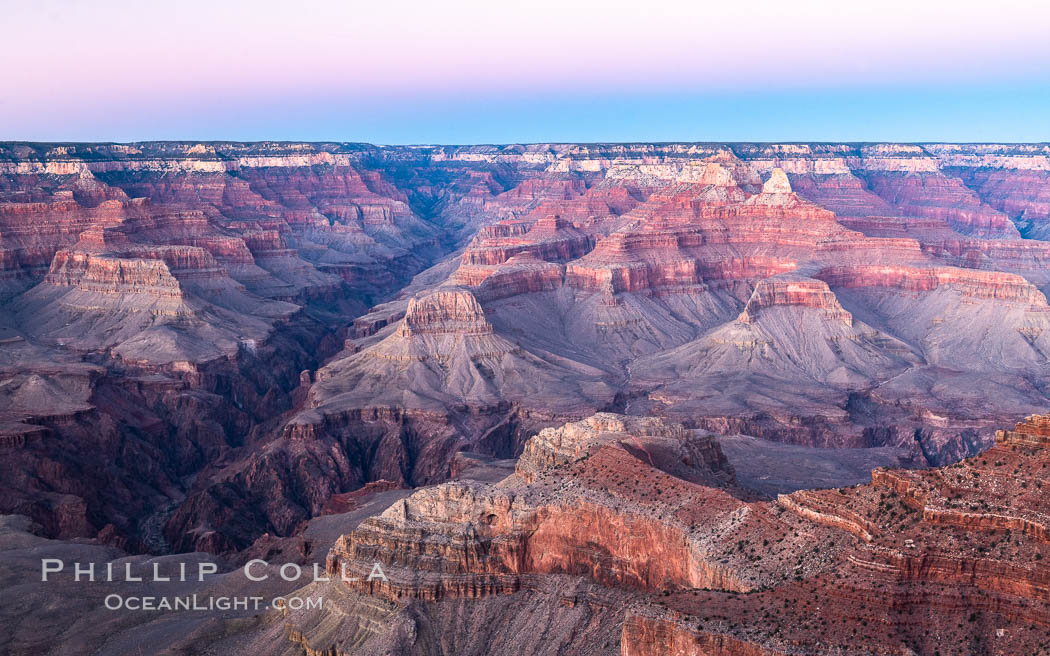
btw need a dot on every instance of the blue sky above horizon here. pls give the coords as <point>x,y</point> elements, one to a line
<point>513,72</point>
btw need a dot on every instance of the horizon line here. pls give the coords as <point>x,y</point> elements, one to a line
<point>844,142</point>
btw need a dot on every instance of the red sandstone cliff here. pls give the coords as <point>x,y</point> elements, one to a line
<point>918,562</point>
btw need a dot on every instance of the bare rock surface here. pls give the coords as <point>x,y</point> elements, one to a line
<point>942,560</point>
<point>202,344</point>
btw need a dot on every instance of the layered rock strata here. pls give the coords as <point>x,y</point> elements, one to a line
<point>679,279</point>
<point>936,561</point>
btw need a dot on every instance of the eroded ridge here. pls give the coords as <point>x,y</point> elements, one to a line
<point>945,560</point>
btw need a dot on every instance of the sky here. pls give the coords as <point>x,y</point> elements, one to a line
<point>504,71</point>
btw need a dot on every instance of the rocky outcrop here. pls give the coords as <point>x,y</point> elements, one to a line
<point>1033,432</point>
<point>611,497</point>
<point>549,238</point>
<point>113,275</point>
<point>447,311</point>
<point>866,570</point>
<point>521,274</point>
<point>787,291</point>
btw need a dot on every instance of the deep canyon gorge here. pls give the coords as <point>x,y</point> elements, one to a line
<point>746,398</point>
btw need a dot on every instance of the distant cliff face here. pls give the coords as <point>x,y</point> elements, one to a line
<point>203,343</point>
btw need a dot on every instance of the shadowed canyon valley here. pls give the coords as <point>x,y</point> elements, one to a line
<point>744,399</point>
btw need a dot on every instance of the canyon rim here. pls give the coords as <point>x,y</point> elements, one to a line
<point>558,328</point>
